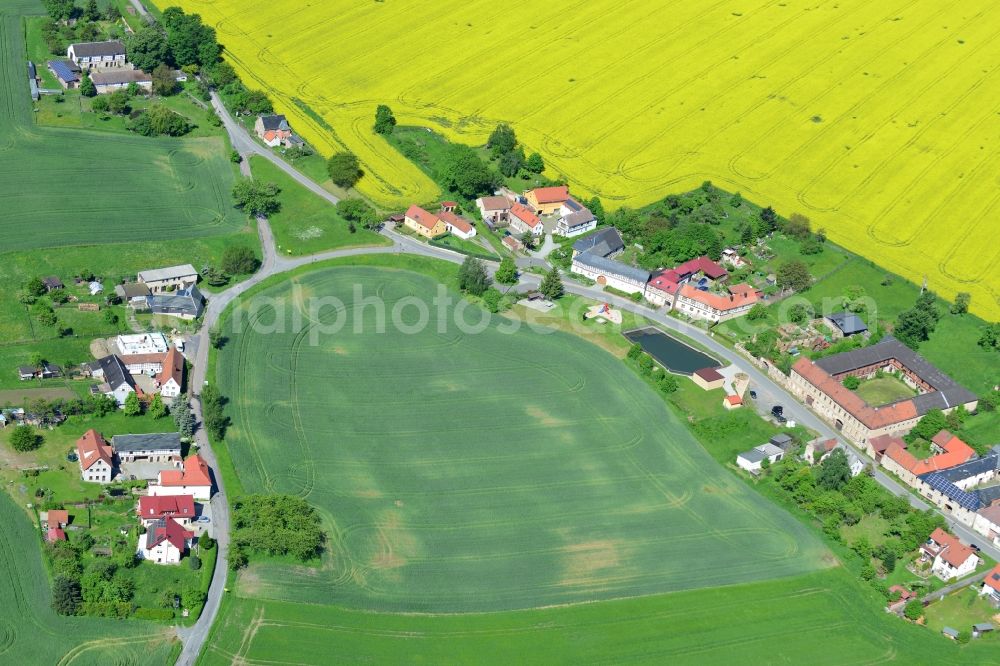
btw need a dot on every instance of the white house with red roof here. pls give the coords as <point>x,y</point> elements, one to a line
<point>193,480</point>
<point>171,377</point>
<point>95,457</point>
<point>423,222</point>
<point>55,534</point>
<point>950,557</point>
<point>523,220</point>
<point>152,508</point>
<point>457,225</point>
<point>547,200</point>
<point>991,586</point>
<point>165,542</point>
<point>699,304</point>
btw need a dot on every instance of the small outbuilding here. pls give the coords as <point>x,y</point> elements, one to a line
<point>732,402</point>
<point>981,628</point>
<point>708,379</point>
<point>950,633</point>
<point>847,323</point>
<point>52,282</point>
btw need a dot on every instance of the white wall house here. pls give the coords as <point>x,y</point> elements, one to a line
<point>950,558</point>
<point>164,542</point>
<point>523,220</point>
<point>611,273</point>
<point>95,457</point>
<point>752,460</point>
<point>193,480</point>
<point>575,219</point>
<point>90,55</point>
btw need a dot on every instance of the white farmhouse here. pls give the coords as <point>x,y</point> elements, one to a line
<point>610,273</point>
<point>164,542</point>
<point>96,458</point>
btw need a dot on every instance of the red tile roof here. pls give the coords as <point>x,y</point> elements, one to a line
<point>171,531</point>
<point>742,290</point>
<point>993,578</point>
<point>422,217</point>
<point>154,507</point>
<point>716,301</point>
<point>523,213</point>
<point>136,359</point>
<point>58,517</point>
<point>734,400</point>
<point>701,264</point>
<point>55,534</point>
<point>709,374</point>
<point>881,443</point>
<point>173,367</point>
<point>871,417</point>
<point>956,452</point>
<point>456,221</point>
<point>195,473</point>
<point>666,281</point>
<point>91,447</point>
<point>495,203</point>
<point>548,195</point>
<point>952,551</point>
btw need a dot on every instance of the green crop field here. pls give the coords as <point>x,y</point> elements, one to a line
<point>824,618</point>
<point>31,633</point>
<point>470,472</point>
<point>69,187</point>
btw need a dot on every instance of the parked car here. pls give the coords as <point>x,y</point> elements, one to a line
<point>777,410</point>
<point>780,419</point>
<point>203,519</point>
<point>753,394</point>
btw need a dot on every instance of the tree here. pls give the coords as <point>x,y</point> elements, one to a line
<point>757,312</point>
<point>552,286</point>
<point>472,277</point>
<point>354,209</point>
<point>668,383</point>
<point>194,562</point>
<point>212,403</point>
<point>913,327</point>
<point>35,286</point>
<point>990,337</point>
<point>851,382</point>
<point>132,405</point>
<point>91,12</point>
<point>118,102</point>
<point>344,169</point>
<point>913,610</point>
<point>933,422</point>
<point>157,408</point>
<point>528,239</point>
<point>206,542</point>
<point>502,140</point>
<point>491,299</point>
<point>87,87</point>
<point>507,272</point>
<point>799,313</point>
<point>217,339</point>
<point>158,120</point>
<point>797,226</point>
<point>191,42</point>
<point>24,438</point>
<point>65,595</point>
<point>147,49</point>
<point>385,121</point>
<point>597,208</point>
<point>961,304</point>
<point>535,164</point>
<point>100,104</point>
<point>183,417</point>
<point>746,234</point>
<point>256,197</point>
<point>239,260</point>
<point>511,162</point>
<point>59,10</point>
<point>634,352</point>
<point>164,82</point>
<point>769,220</point>
<point>276,525</point>
<point>36,360</point>
<point>834,471</point>
<point>794,275</point>
<point>465,173</point>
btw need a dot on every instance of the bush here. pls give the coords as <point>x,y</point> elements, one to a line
<point>194,562</point>
<point>24,438</point>
<point>239,260</point>
<point>851,382</point>
<point>159,120</point>
<point>344,169</point>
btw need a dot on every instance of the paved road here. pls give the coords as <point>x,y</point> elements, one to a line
<point>273,264</point>
<point>974,579</point>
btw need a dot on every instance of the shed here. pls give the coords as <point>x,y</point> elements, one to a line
<point>52,282</point>
<point>847,323</point>
<point>783,442</point>
<point>981,628</point>
<point>950,633</point>
<point>708,378</point>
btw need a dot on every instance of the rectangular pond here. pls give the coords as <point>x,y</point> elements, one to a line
<point>670,352</point>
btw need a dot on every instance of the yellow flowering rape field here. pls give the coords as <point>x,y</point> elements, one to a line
<point>878,120</point>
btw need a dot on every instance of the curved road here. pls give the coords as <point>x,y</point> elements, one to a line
<point>767,390</point>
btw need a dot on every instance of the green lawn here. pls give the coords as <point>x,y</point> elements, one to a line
<point>469,471</point>
<point>883,390</point>
<point>463,245</point>
<point>960,611</point>
<point>824,618</point>
<point>307,224</point>
<point>31,633</point>
<point>872,526</point>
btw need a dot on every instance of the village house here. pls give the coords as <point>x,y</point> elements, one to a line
<point>152,508</point>
<point>512,244</point>
<point>574,219</point>
<point>845,324</point>
<point>58,518</point>
<point>987,522</point>
<point>55,534</point>
<point>664,287</point>
<point>699,304</point>
<point>133,295</point>
<point>164,447</point>
<point>523,220</point>
<point>820,385</point>
<point>193,480</point>
<point>273,130</point>
<point>186,303</point>
<point>457,225</point>
<point>118,381</point>
<point>52,283</point>
<point>494,210</point>
<point>606,243</point>
<point>611,273</point>
<point>817,449</point>
<point>108,81</point>
<point>46,371</point>
<point>991,586</point>
<point>99,55</point>
<point>547,200</point>
<point>66,72</point>
<point>753,459</point>
<point>165,542</point>
<point>171,278</point>
<point>171,377</point>
<point>424,223</point>
<point>950,557</point>
<point>732,258</point>
<point>95,457</point>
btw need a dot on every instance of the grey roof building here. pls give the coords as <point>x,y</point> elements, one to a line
<point>113,370</point>
<point>182,272</point>
<point>184,303</point>
<point>848,323</point>
<point>274,122</point>
<point>157,441</point>
<point>98,49</point>
<point>605,265</point>
<point>606,243</point>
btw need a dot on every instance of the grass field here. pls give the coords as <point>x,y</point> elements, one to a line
<point>71,187</point>
<point>469,472</point>
<point>883,390</point>
<point>875,120</point>
<point>31,633</point>
<point>307,224</point>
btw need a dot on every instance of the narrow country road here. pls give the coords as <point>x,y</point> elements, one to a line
<point>194,637</point>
